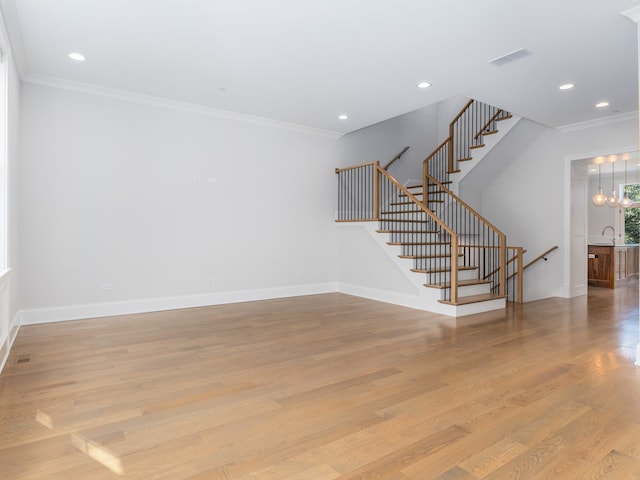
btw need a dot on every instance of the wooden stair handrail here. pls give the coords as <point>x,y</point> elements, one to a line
<point>452,126</point>
<point>488,123</point>
<point>540,257</point>
<point>453,236</point>
<point>521,270</point>
<point>464,109</point>
<point>397,157</point>
<point>465,205</point>
<point>435,150</point>
<point>354,167</point>
<point>495,270</point>
<point>502,237</point>
<point>413,198</point>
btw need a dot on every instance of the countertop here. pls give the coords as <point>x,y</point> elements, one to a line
<point>609,244</point>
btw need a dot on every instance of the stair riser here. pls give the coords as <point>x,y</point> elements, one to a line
<point>421,250</point>
<point>468,290</point>
<point>444,277</point>
<point>433,263</point>
<point>487,306</point>
<point>410,227</point>
<point>403,211</point>
<point>417,237</point>
<point>417,216</point>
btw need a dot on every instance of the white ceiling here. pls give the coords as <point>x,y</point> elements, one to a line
<point>305,62</point>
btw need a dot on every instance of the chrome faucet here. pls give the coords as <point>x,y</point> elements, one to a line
<point>613,230</point>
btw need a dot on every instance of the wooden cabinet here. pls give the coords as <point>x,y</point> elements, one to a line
<point>607,264</point>
<point>632,260</point>
<point>600,266</point>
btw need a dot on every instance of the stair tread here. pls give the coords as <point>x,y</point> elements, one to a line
<point>419,243</point>
<point>415,210</point>
<point>466,159</point>
<point>422,257</point>
<point>441,270</point>
<point>484,297</point>
<point>409,231</point>
<point>506,117</point>
<point>461,283</point>
<point>480,145</point>
<point>401,220</point>
<point>447,182</point>
<point>489,132</point>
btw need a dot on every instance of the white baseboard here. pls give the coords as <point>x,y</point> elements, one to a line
<point>567,291</point>
<point>7,342</point>
<point>77,312</point>
<point>411,301</point>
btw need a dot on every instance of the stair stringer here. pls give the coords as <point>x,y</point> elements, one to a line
<point>490,141</point>
<point>426,299</point>
<point>495,162</point>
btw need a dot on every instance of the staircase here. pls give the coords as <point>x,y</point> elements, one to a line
<point>459,257</point>
<point>422,241</point>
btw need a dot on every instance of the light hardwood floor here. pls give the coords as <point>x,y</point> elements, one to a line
<point>329,387</point>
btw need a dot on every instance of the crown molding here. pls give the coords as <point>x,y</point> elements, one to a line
<point>52,82</point>
<point>633,14</point>
<point>599,122</point>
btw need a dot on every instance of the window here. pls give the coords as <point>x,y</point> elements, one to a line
<point>632,214</point>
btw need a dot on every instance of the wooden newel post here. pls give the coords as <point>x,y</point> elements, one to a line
<point>453,281</point>
<point>520,275</point>
<point>450,153</point>
<point>503,265</point>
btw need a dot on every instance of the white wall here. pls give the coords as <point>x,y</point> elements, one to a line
<point>381,142</point>
<point>157,202</point>
<point>528,201</point>
<point>9,292</point>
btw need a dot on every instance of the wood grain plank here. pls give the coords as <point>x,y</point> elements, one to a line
<point>328,387</point>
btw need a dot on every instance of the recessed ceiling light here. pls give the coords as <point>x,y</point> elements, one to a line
<point>566,86</point>
<point>602,104</point>
<point>343,117</point>
<point>423,85</point>
<point>78,57</point>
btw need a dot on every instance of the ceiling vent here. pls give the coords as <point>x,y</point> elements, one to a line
<point>510,57</point>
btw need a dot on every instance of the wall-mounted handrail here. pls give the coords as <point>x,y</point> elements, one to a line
<point>520,268</point>
<point>397,157</point>
<point>541,257</point>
